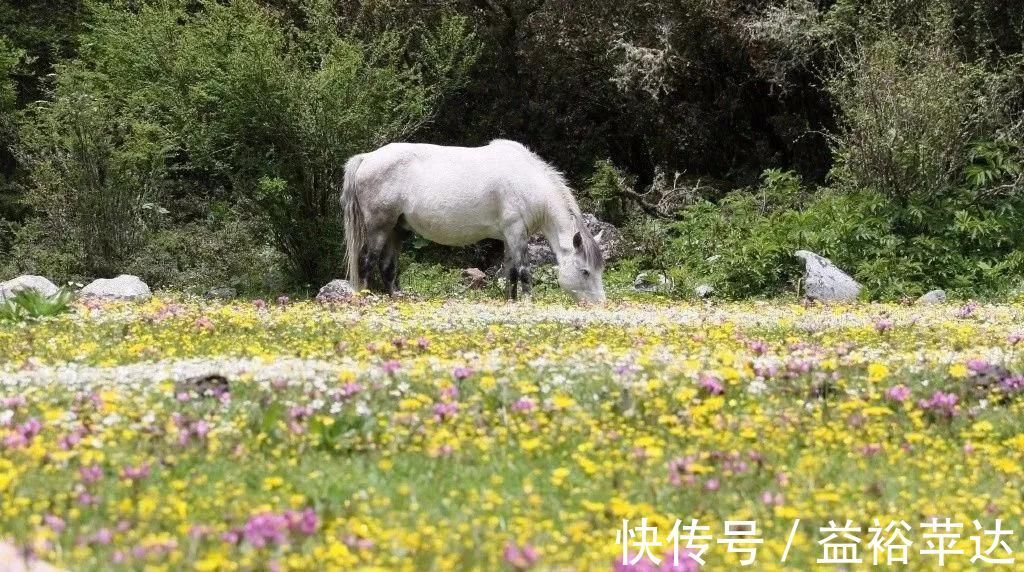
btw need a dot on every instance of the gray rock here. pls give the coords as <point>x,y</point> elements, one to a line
<point>607,236</point>
<point>609,239</point>
<point>651,282</point>
<point>539,253</point>
<point>124,287</point>
<point>221,293</point>
<point>824,281</point>
<point>933,297</point>
<point>704,291</point>
<point>336,291</point>
<point>27,282</point>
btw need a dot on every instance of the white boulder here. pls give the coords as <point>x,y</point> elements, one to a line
<point>933,297</point>
<point>27,282</point>
<point>336,291</point>
<point>824,281</point>
<point>124,287</point>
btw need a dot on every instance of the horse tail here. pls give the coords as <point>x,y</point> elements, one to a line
<point>355,225</point>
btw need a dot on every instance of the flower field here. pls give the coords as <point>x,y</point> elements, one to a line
<point>183,434</point>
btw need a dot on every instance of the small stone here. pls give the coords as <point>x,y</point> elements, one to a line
<point>124,287</point>
<point>27,282</point>
<point>651,282</point>
<point>475,277</point>
<point>824,281</point>
<point>336,291</point>
<point>704,291</point>
<point>933,297</point>
<point>222,293</point>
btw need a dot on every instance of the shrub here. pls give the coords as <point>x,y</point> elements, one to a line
<point>604,194</point>
<point>35,249</point>
<point>10,59</point>
<point>744,244</point>
<point>786,36</point>
<point>226,249</point>
<point>895,139</point>
<point>968,246</point>
<point>926,131</point>
<point>267,111</point>
<point>96,177</point>
<point>909,113</point>
<point>648,238</point>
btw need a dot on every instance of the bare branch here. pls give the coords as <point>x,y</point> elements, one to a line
<point>647,207</point>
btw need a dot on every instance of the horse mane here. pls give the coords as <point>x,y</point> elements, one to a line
<point>556,177</point>
<point>591,250</point>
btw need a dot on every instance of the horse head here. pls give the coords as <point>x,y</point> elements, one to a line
<point>581,273</point>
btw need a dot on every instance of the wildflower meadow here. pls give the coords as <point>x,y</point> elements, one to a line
<point>374,434</point>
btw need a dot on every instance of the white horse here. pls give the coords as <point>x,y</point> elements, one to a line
<point>457,196</point>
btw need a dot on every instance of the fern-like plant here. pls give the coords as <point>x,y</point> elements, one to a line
<point>992,163</point>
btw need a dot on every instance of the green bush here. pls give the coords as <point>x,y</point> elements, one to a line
<point>927,189</point>
<point>744,249</point>
<point>96,177</point>
<point>908,114</point>
<point>647,239</point>
<point>603,193</point>
<point>226,249</point>
<point>934,135</point>
<point>35,249</point>
<point>10,58</point>
<point>250,104</point>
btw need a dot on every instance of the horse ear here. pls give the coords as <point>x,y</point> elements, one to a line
<point>577,241</point>
<point>599,236</point>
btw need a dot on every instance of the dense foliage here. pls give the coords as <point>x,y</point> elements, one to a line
<point>167,98</point>
<point>200,143</point>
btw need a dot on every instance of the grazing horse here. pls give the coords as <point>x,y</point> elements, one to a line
<point>457,196</point>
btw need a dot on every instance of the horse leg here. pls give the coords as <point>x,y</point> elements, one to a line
<point>370,257</point>
<point>512,283</point>
<point>515,264</point>
<point>526,279</point>
<point>389,261</point>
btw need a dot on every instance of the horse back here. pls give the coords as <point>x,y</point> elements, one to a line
<point>456,195</point>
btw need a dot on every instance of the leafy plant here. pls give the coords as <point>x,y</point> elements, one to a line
<point>28,304</point>
<point>604,192</point>
<point>780,190</point>
<point>992,163</point>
